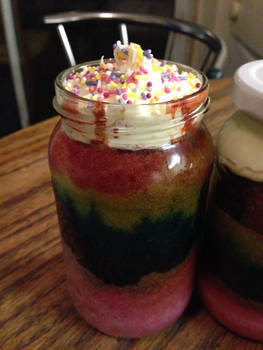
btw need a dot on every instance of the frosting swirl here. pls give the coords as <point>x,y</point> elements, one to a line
<point>133,77</point>
<point>133,101</point>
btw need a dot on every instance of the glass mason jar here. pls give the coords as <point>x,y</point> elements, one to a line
<point>231,279</point>
<point>130,184</point>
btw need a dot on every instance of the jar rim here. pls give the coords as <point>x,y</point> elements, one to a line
<point>60,77</point>
<point>129,126</point>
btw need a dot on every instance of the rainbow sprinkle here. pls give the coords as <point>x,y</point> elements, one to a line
<point>134,77</point>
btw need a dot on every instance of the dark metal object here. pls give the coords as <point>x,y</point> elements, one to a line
<point>16,57</point>
<point>195,31</point>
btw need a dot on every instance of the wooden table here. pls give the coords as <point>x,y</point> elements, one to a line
<point>36,312</point>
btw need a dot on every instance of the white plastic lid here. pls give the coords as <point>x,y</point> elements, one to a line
<point>248,88</point>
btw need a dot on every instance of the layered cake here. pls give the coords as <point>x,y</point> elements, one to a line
<point>130,162</point>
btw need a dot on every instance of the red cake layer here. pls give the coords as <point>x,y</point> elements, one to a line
<point>134,311</point>
<point>109,170</point>
<point>103,168</point>
<point>241,316</point>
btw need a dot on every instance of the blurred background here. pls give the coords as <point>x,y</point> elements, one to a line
<point>237,22</point>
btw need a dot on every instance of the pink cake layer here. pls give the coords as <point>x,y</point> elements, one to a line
<point>239,315</point>
<point>135,311</point>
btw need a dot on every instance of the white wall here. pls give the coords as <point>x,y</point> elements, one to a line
<point>216,15</point>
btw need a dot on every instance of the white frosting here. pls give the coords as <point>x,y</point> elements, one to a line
<point>132,120</point>
<point>137,127</point>
<point>240,146</point>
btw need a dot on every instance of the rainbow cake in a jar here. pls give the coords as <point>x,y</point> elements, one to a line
<point>130,162</point>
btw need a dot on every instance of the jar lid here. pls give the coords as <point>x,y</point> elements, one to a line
<point>248,88</point>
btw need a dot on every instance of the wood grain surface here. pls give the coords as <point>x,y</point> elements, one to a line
<point>35,309</point>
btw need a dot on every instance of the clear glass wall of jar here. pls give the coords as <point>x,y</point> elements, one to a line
<point>130,184</point>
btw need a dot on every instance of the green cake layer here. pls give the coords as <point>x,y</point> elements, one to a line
<point>125,212</point>
<point>121,244</point>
